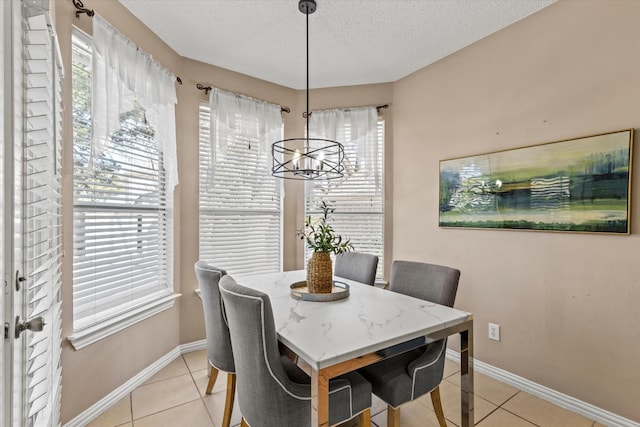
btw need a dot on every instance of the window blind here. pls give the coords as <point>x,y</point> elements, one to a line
<point>240,208</point>
<point>122,211</point>
<point>42,225</point>
<point>357,199</point>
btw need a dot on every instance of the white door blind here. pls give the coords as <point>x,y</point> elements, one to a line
<point>240,203</point>
<point>122,217</point>
<point>357,198</point>
<point>42,226</point>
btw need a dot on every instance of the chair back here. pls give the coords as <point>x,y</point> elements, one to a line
<point>266,395</point>
<point>430,282</point>
<point>219,351</point>
<point>357,266</point>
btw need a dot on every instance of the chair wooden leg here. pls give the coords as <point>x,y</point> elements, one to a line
<point>393,416</point>
<point>212,379</point>
<point>364,419</point>
<point>437,406</point>
<point>228,405</point>
<point>243,423</point>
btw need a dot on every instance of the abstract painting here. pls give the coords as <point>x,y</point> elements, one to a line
<point>581,184</point>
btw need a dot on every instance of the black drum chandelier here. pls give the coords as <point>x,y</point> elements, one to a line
<point>307,158</point>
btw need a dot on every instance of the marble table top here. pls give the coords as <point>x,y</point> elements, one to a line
<point>370,319</point>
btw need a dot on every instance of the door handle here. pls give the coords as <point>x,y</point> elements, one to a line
<point>19,279</point>
<point>35,325</point>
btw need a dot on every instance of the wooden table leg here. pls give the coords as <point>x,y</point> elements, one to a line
<point>466,376</point>
<point>319,399</point>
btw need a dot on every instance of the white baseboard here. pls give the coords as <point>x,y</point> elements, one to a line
<point>193,346</point>
<point>109,400</point>
<point>572,404</point>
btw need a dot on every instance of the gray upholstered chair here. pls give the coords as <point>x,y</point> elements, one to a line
<point>357,266</point>
<point>219,353</point>
<point>272,390</point>
<point>409,375</point>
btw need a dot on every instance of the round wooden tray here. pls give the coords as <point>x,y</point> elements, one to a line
<point>299,290</point>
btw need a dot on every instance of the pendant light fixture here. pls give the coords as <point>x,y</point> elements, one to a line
<point>307,158</point>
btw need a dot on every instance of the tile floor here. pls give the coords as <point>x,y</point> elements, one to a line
<point>174,397</point>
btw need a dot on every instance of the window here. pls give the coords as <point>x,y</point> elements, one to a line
<point>240,202</point>
<point>358,197</point>
<point>123,245</point>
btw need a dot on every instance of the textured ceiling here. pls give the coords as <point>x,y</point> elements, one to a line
<point>351,42</point>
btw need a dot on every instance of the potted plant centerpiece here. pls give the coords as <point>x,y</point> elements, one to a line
<point>320,237</point>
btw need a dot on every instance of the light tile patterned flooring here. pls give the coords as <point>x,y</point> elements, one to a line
<point>175,397</point>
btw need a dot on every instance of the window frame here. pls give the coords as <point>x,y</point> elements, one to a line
<point>315,212</point>
<point>204,156</point>
<point>111,321</point>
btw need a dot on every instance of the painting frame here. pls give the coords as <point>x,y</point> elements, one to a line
<point>579,185</point>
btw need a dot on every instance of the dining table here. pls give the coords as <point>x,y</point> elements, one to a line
<point>330,338</point>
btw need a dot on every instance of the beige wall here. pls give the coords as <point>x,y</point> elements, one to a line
<point>567,303</point>
<point>191,323</point>
<point>91,373</point>
<point>189,98</point>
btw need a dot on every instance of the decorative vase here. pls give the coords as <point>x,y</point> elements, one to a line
<point>319,273</point>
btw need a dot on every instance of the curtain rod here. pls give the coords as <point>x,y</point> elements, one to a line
<point>81,9</point>
<point>378,108</point>
<point>90,12</point>
<point>207,89</point>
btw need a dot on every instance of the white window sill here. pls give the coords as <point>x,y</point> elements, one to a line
<point>102,330</point>
<point>381,283</point>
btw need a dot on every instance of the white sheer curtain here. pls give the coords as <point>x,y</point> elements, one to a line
<point>236,117</point>
<point>357,130</point>
<point>123,74</point>
<point>357,197</point>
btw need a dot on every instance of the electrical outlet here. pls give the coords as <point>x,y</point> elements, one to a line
<point>494,332</point>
